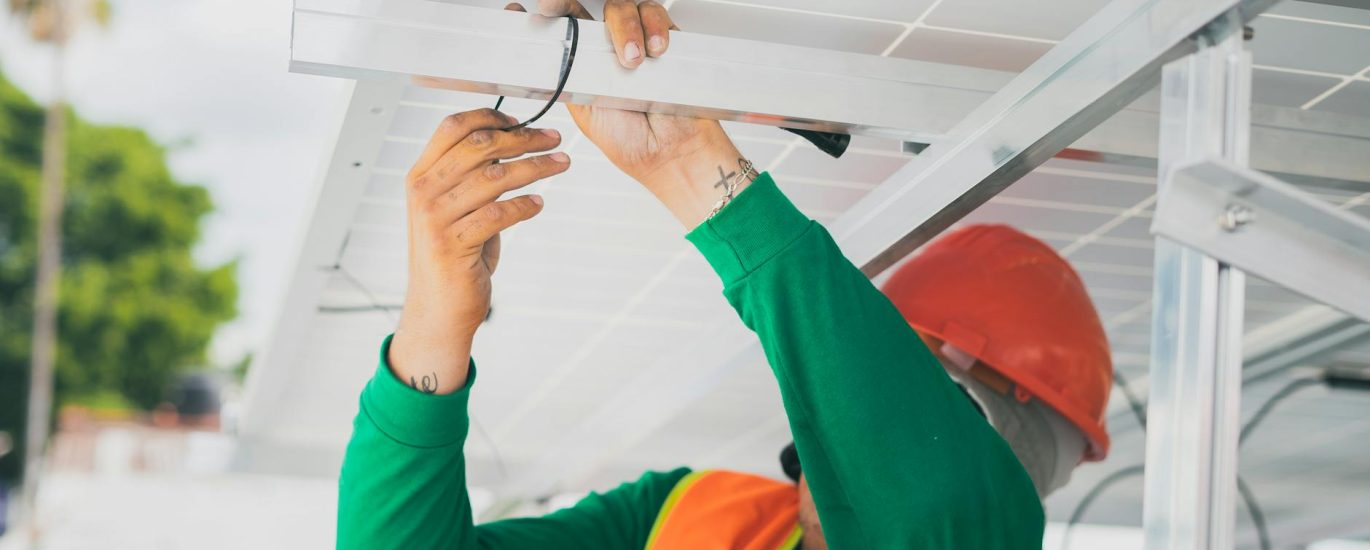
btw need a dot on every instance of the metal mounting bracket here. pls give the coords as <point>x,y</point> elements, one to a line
<point>1271,229</point>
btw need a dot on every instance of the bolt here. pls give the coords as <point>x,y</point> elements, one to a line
<point>1248,33</point>
<point>1235,217</point>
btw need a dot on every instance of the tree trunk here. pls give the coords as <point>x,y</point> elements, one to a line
<point>48,280</point>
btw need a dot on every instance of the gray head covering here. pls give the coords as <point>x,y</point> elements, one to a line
<point>1047,444</point>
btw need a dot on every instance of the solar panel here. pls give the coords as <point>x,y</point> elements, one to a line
<point>601,296</point>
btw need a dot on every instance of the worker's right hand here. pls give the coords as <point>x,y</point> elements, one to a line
<point>679,159</point>
<point>638,30</point>
<point>455,219</point>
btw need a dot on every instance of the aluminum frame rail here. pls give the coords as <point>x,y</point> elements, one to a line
<point>1297,339</point>
<point>446,45</point>
<point>1269,228</point>
<point>1102,66</point>
<point>1332,146</point>
<point>342,182</point>
<point>1194,408</point>
<point>431,44</point>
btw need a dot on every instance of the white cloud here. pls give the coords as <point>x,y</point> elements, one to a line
<point>213,72</point>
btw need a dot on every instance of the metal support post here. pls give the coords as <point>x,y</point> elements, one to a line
<point>1194,410</point>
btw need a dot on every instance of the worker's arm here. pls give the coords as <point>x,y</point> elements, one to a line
<point>893,452</point>
<point>404,476</point>
<point>404,484</point>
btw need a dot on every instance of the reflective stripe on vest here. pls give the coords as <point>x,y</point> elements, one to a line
<point>719,510</point>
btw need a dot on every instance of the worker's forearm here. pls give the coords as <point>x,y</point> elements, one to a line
<point>403,483</point>
<point>431,348</point>
<point>693,182</point>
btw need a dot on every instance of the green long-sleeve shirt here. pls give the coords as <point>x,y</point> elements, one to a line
<point>894,454</point>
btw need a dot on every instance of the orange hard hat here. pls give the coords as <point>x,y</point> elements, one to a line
<point>1012,303</point>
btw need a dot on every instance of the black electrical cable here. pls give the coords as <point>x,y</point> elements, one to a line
<point>1138,410</point>
<point>834,144</point>
<point>572,34</point>
<point>1094,493</point>
<point>1133,402</point>
<point>1269,404</point>
<point>1257,516</point>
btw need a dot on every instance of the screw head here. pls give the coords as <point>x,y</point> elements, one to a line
<point>1235,217</point>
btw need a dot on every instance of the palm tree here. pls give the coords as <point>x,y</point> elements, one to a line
<point>51,22</point>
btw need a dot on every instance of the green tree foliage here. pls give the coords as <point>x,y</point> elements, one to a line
<point>135,309</point>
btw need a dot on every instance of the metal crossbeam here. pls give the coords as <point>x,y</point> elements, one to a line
<point>1270,228</point>
<point>430,44</point>
<point>1303,336</point>
<point>1333,147</point>
<point>459,47</point>
<point>1103,65</point>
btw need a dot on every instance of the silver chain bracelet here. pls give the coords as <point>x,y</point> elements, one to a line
<point>746,174</point>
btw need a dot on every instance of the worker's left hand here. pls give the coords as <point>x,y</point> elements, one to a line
<point>677,158</point>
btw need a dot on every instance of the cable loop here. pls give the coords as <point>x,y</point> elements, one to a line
<point>572,34</point>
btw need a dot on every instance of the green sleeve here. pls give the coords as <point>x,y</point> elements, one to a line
<point>894,454</point>
<point>403,484</point>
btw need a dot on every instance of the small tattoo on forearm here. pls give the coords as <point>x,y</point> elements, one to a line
<point>427,384</point>
<point>724,179</point>
<point>731,181</point>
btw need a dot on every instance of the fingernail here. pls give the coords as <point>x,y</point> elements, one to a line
<point>560,157</point>
<point>655,44</point>
<point>550,133</point>
<point>537,199</point>
<point>631,52</point>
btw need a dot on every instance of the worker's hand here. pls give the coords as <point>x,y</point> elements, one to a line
<point>455,219</point>
<point>678,159</point>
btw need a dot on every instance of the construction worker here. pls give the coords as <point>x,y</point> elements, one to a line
<point>936,417</point>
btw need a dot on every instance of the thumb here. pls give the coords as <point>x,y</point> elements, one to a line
<point>558,8</point>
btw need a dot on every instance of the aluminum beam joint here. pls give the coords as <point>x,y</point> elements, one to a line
<point>1269,228</point>
<point>1103,65</point>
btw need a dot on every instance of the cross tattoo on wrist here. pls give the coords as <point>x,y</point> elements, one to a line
<point>723,179</point>
<point>730,182</point>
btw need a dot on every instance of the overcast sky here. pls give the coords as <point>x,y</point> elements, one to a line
<point>211,74</point>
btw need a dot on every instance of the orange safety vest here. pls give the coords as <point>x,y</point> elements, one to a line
<point>720,510</point>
